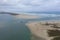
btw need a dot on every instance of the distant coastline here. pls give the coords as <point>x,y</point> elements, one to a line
<point>9,13</point>
<point>21,15</point>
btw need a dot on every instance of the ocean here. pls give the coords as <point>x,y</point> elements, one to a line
<point>15,29</point>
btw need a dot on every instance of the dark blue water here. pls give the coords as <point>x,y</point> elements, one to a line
<point>13,29</point>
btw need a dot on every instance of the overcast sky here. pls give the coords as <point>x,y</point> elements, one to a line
<point>29,5</point>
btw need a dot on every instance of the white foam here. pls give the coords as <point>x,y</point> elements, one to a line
<point>43,14</point>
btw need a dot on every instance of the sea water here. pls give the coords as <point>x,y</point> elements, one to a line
<point>12,28</point>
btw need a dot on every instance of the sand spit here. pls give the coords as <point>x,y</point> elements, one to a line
<point>41,29</point>
<point>26,16</point>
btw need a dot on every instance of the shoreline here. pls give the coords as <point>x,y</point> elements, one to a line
<point>39,28</point>
<point>26,16</point>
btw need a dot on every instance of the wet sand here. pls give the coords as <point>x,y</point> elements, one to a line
<point>40,29</point>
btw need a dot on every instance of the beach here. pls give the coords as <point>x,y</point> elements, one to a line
<point>26,16</point>
<point>39,29</point>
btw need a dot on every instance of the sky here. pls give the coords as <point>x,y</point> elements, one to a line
<point>29,5</point>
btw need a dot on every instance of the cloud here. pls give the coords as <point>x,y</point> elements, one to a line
<point>30,5</point>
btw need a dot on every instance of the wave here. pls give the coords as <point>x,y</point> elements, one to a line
<point>44,14</point>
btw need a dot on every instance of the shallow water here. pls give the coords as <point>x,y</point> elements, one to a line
<point>13,29</point>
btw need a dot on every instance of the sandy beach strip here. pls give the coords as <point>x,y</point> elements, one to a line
<point>26,16</point>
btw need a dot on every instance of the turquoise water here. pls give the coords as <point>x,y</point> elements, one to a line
<point>13,29</point>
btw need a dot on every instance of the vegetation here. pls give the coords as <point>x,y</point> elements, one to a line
<point>56,38</point>
<point>53,33</point>
<point>9,13</point>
